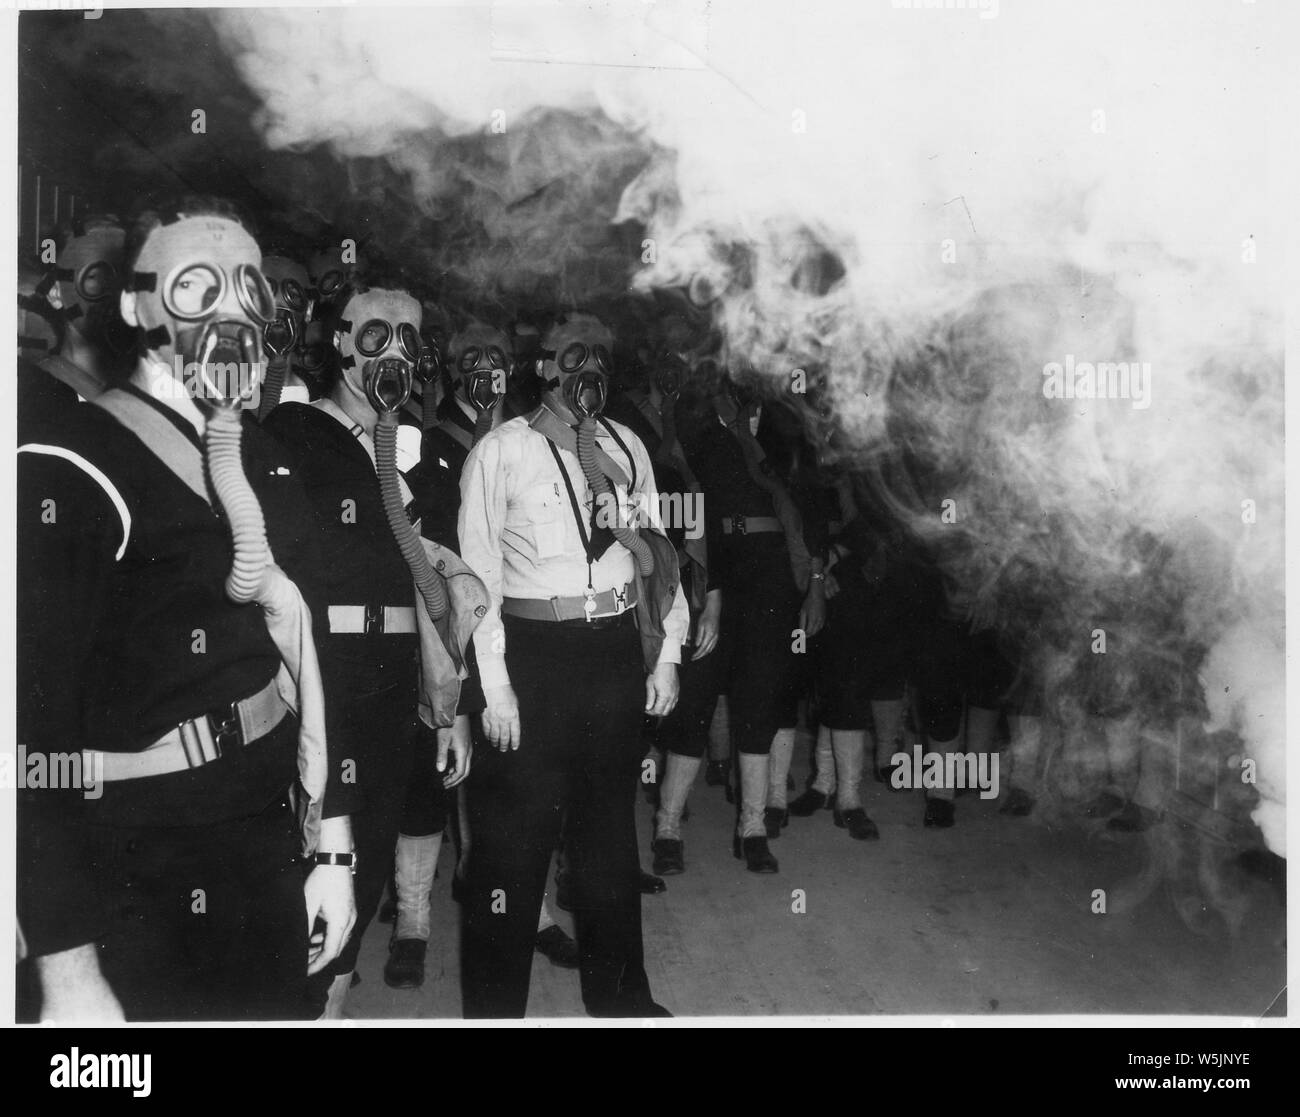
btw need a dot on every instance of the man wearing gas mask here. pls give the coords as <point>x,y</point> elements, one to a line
<point>560,517</point>
<point>284,337</point>
<point>166,883</point>
<point>400,607</point>
<point>79,296</point>
<point>772,596</point>
<point>477,366</point>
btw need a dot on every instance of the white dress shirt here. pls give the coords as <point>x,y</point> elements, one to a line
<point>518,532</point>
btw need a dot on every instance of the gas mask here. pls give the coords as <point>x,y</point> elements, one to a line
<point>479,358</point>
<point>328,275</point>
<point>201,299</point>
<point>89,278</point>
<point>577,361</point>
<point>669,375</point>
<point>378,339</point>
<point>289,285</point>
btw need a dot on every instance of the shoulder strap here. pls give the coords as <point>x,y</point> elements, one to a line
<point>456,433</point>
<point>335,412</point>
<point>160,437</point>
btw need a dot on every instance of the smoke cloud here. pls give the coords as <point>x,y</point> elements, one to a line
<point>925,209</point>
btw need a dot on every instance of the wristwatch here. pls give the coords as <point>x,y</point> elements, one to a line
<point>348,859</point>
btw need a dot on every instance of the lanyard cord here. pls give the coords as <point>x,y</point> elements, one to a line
<point>577,512</point>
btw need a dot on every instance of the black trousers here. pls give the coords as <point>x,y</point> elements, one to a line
<point>760,671</point>
<point>380,734</point>
<point>208,922</point>
<point>581,692</point>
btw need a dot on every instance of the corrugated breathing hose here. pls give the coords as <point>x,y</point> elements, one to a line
<point>482,424</point>
<point>427,580</point>
<point>247,527</point>
<point>272,386</point>
<point>602,492</point>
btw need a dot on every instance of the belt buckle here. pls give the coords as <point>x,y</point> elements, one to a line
<point>374,620</point>
<point>738,524</point>
<point>226,730</point>
<point>620,600</point>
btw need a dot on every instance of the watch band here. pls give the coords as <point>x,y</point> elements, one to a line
<point>347,859</point>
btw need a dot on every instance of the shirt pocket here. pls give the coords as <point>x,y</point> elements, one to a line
<point>540,513</point>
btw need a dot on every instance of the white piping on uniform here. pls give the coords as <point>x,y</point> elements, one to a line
<point>96,474</point>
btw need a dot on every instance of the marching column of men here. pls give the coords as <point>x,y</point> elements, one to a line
<point>292,633</point>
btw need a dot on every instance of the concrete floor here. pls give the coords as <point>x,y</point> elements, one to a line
<point>990,917</point>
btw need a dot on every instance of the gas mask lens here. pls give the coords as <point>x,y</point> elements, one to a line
<point>97,280</point>
<point>330,282</point>
<point>290,293</point>
<point>575,356</point>
<point>194,291</point>
<point>469,360</point>
<point>376,336</point>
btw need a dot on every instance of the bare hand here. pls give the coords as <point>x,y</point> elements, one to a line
<point>706,631</point>
<point>328,892</point>
<point>661,690</point>
<point>501,717</point>
<point>812,614</point>
<point>455,741</point>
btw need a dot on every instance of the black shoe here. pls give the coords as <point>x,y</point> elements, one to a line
<point>651,885</point>
<point>774,819</point>
<point>811,801</point>
<point>859,826</point>
<point>388,911</point>
<point>1134,819</point>
<point>669,857</point>
<point>641,1009</point>
<point>556,947</point>
<point>717,772</point>
<point>758,858</point>
<point>940,812</point>
<point>1019,803</point>
<point>405,966</point>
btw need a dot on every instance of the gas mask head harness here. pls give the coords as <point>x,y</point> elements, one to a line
<point>577,360</point>
<point>293,309</point>
<point>200,296</point>
<point>479,358</point>
<point>89,280</point>
<point>378,339</point>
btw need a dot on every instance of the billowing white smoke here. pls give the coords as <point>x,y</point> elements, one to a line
<point>1063,183</point>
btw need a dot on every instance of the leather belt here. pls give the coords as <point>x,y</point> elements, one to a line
<point>368,619</point>
<point>607,603</point>
<point>194,743</point>
<point>750,525</point>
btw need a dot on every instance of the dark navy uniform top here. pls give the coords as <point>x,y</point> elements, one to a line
<point>363,564</point>
<point>125,631</point>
